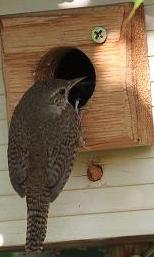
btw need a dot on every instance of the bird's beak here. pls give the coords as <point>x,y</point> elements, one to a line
<point>74,82</point>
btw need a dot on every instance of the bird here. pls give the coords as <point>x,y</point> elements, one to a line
<point>81,94</point>
<point>43,141</point>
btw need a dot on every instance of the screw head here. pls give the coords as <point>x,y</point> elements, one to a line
<point>99,35</point>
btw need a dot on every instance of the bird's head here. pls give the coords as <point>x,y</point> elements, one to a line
<point>60,90</point>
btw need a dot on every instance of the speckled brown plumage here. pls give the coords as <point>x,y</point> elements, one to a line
<point>44,137</point>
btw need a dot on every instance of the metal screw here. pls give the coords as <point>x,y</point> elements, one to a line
<point>99,35</point>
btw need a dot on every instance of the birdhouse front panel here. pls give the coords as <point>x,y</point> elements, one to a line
<point>119,112</point>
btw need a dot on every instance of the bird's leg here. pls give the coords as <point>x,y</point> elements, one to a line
<point>82,141</point>
<point>80,114</point>
<point>77,105</point>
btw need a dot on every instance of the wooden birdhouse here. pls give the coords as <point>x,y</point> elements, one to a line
<point>94,42</point>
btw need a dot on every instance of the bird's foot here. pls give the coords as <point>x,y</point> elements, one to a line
<point>83,143</point>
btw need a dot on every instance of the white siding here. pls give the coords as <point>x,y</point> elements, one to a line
<point>96,226</point>
<point>151,64</point>
<point>122,203</point>
<point>3,107</point>
<point>18,6</point>
<point>149,16</point>
<point>4,132</point>
<point>1,82</point>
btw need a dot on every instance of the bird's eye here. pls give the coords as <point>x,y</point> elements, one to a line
<point>62,91</point>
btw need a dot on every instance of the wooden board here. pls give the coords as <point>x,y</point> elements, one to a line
<point>76,202</point>
<point>119,173</point>
<point>94,227</point>
<point>119,113</point>
<point>122,168</point>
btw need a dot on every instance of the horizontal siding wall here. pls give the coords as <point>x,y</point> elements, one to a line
<point>123,202</point>
<point>18,6</point>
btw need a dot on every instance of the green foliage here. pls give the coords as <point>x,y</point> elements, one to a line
<point>91,252</point>
<point>84,252</point>
<point>137,4</point>
<point>9,254</point>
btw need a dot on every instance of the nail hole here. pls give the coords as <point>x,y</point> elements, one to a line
<point>94,172</point>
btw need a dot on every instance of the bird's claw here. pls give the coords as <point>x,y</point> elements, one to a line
<point>77,106</point>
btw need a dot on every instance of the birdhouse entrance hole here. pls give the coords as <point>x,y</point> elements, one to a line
<point>69,63</point>
<point>119,112</point>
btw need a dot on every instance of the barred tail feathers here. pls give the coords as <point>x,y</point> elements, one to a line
<point>37,215</point>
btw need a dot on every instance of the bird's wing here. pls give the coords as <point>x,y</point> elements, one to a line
<point>61,153</point>
<point>18,160</point>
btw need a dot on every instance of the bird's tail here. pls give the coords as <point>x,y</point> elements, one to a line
<point>37,215</point>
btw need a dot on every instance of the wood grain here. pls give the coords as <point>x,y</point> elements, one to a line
<point>121,167</point>
<point>119,113</point>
